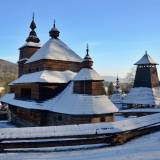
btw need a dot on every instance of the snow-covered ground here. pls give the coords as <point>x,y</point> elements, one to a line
<point>6,124</point>
<point>143,148</point>
<point>81,129</point>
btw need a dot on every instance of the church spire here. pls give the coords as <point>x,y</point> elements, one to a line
<point>87,61</point>
<point>33,35</point>
<point>117,83</point>
<point>33,25</point>
<point>54,32</point>
<point>146,53</point>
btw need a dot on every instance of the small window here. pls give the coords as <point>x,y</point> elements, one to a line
<point>29,71</point>
<point>26,92</point>
<point>103,119</point>
<point>59,117</point>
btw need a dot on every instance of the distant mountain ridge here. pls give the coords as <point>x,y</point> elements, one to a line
<point>8,66</point>
<point>8,72</point>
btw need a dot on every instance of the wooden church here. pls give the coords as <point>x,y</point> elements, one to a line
<point>56,86</point>
<point>117,96</point>
<point>146,90</point>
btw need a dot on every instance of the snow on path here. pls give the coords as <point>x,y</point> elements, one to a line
<point>143,148</point>
<point>6,124</point>
<point>68,130</point>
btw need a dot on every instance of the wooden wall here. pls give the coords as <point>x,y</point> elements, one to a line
<point>25,52</point>
<point>39,91</point>
<point>89,87</point>
<point>55,65</point>
<point>32,117</point>
<point>146,76</point>
<point>34,90</point>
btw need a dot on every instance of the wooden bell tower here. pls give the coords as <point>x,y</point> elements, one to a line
<point>146,73</point>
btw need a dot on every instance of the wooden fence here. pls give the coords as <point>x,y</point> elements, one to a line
<point>108,139</point>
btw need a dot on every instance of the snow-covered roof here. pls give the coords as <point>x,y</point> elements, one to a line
<point>117,98</point>
<point>55,49</point>
<point>146,59</point>
<point>31,44</point>
<point>46,76</point>
<point>143,95</point>
<point>23,59</point>
<point>87,74</point>
<point>69,103</point>
<point>140,110</point>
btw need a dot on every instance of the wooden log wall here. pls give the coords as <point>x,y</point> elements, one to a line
<point>34,117</point>
<point>89,87</point>
<point>55,65</point>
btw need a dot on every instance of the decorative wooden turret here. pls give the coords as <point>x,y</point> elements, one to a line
<point>29,48</point>
<point>146,74</point>
<point>54,32</point>
<point>88,81</point>
<point>87,61</point>
<point>33,35</point>
<point>117,84</point>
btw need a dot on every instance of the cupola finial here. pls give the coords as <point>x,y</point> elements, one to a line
<point>32,35</point>
<point>87,49</point>
<point>33,24</point>
<point>54,32</point>
<point>33,16</point>
<point>87,61</point>
<point>54,24</point>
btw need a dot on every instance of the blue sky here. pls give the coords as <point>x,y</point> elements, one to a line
<point>118,31</point>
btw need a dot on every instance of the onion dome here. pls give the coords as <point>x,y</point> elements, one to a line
<point>87,61</point>
<point>54,32</point>
<point>33,35</point>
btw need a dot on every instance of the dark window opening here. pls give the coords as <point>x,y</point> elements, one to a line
<point>26,92</point>
<point>29,71</point>
<point>103,119</point>
<point>59,117</point>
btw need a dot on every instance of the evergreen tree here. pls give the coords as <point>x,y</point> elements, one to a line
<point>110,88</point>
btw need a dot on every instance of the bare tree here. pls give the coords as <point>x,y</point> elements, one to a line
<point>130,79</point>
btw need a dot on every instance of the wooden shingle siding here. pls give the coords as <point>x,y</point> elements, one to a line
<point>25,53</point>
<point>32,117</point>
<point>39,91</point>
<point>146,76</point>
<point>89,87</point>
<point>55,65</point>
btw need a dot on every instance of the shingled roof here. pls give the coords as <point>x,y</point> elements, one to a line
<point>146,59</point>
<point>55,49</point>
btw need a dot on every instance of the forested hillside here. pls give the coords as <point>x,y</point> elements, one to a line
<point>8,72</point>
